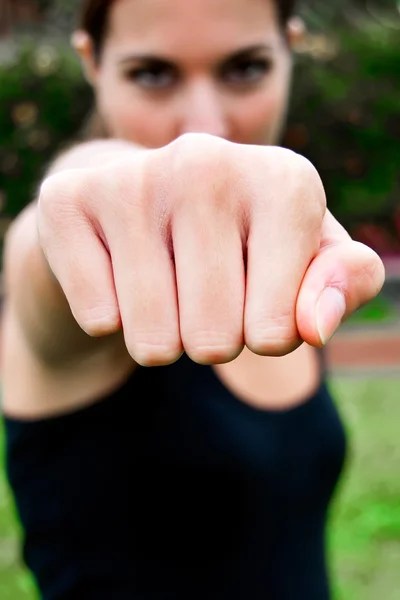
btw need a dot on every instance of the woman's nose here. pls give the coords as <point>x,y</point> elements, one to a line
<point>202,111</point>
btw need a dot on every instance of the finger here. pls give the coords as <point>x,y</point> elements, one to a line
<point>145,283</point>
<point>281,245</point>
<point>344,276</point>
<point>78,259</point>
<point>210,278</point>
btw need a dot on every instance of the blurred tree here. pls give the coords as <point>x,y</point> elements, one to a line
<point>345,117</point>
<point>44,101</point>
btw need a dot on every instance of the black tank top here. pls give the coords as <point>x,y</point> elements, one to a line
<point>173,489</point>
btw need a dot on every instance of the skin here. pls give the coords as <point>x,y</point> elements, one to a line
<point>212,241</point>
<point>231,79</point>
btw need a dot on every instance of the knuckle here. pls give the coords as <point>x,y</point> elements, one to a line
<point>50,193</point>
<point>378,274</point>
<point>311,186</point>
<point>198,155</point>
<point>304,198</point>
<point>200,163</point>
<point>60,192</point>
<point>371,270</point>
<point>120,181</point>
<point>134,191</point>
<point>63,212</point>
<point>190,141</point>
<point>54,206</point>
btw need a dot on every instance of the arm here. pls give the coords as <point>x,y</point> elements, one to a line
<point>137,247</point>
<point>49,363</point>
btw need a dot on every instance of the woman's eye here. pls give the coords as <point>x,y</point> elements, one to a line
<point>247,71</point>
<point>153,78</point>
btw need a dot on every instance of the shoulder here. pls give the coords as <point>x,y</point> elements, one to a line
<point>31,389</point>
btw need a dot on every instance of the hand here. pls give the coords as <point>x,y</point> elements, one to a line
<point>203,246</point>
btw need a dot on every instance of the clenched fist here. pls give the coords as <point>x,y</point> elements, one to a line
<point>203,246</point>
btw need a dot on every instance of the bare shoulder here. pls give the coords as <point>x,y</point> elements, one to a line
<point>271,383</point>
<point>33,389</point>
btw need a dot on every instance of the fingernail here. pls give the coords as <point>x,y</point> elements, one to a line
<point>331,308</point>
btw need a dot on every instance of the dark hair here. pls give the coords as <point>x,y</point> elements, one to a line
<point>94,18</point>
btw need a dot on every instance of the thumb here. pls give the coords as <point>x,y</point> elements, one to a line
<point>342,277</point>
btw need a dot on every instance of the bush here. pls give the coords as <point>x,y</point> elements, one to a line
<point>43,101</point>
<point>345,117</point>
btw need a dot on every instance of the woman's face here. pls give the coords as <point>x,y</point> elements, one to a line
<point>170,67</point>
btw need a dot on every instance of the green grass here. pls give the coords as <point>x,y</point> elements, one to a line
<point>364,532</point>
<point>15,582</point>
<point>365,525</point>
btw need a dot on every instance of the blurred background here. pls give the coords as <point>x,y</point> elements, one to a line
<point>345,117</point>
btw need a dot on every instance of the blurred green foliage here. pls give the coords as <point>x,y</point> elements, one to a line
<point>344,116</point>
<point>43,101</point>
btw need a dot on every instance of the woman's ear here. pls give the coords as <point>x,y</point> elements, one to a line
<point>83,45</point>
<point>296,32</point>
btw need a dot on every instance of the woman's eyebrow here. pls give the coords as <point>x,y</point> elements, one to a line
<point>146,58</point>
<point>244,52</point>
<point>154,58</point>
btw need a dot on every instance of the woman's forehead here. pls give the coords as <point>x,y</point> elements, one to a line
<point>171,25</point>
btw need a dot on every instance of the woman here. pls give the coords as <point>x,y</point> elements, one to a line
<point>176,241</point>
